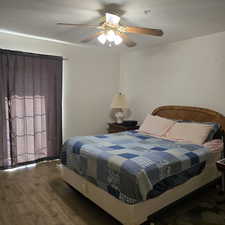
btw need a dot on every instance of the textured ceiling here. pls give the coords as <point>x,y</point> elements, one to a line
<point>179,19</point>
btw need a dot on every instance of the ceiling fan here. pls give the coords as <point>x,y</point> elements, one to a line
<point>111,32</point>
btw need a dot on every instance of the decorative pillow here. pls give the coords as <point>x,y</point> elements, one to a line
<point>215,145</point>
<point>156,125</point>
<point>215,127</point>
<point>195,133</point>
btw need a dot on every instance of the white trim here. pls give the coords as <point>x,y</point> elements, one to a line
<point>36,37</point>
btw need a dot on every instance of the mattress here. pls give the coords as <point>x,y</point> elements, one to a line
<point>144,162</point>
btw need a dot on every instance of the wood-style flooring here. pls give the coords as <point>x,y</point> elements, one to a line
<point>38,196</point>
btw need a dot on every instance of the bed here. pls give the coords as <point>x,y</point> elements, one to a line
<point>133,208</point>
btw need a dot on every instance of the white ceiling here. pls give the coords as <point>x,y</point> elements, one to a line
<point>179,19</point>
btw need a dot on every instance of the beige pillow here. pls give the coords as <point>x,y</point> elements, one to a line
<point>191,132</point>
<point>156,125</point>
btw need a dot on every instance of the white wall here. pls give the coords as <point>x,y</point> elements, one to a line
<point>91,78</point>
<point>190,72</point>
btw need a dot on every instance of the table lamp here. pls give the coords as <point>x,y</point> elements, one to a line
<point>119,106</point>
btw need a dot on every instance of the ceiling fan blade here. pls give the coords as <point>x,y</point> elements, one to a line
<point>78,25</point>
<point>126,40</point>
<point>92,37</point>
<point>141,30</point>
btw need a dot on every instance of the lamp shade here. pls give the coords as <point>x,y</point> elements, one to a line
<point>119,102</point>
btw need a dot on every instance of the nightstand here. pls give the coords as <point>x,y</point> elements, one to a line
<point>221,167</point>
<point>115,127</point>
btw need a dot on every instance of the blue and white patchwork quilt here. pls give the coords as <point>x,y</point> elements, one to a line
<point>129,165</point>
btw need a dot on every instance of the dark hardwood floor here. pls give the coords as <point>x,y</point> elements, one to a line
<point>38,196</point>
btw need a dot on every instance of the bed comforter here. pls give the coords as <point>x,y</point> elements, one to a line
<point>132,166</point>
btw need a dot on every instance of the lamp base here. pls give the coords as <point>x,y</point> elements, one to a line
<point>119,117</point>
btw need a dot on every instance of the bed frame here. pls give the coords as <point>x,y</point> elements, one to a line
<point>138,213</point>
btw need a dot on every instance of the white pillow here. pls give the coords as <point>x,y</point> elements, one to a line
<point>156,125</point>
<point>191,132</point>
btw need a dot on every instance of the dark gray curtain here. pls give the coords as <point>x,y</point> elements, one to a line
<point>30,107</point>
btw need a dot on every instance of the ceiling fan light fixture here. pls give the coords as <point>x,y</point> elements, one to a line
<point>110,36</point>
<point>118,40</point>
<point>112,19</point>
<point>102,38</point>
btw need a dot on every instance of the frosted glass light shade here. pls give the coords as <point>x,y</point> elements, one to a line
<point>110,36</point>
<point>117,40</point>
<point>102,38</point>
<point>119,102</point>
<point>113,19</point>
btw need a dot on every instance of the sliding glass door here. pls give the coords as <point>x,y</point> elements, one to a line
<point>30,107</point>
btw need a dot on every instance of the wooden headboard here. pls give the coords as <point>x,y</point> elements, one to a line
<point>190,113</point>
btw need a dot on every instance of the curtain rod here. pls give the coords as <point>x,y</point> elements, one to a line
<point>28,53</point>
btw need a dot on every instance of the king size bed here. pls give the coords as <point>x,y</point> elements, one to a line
<point>131,175</point>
